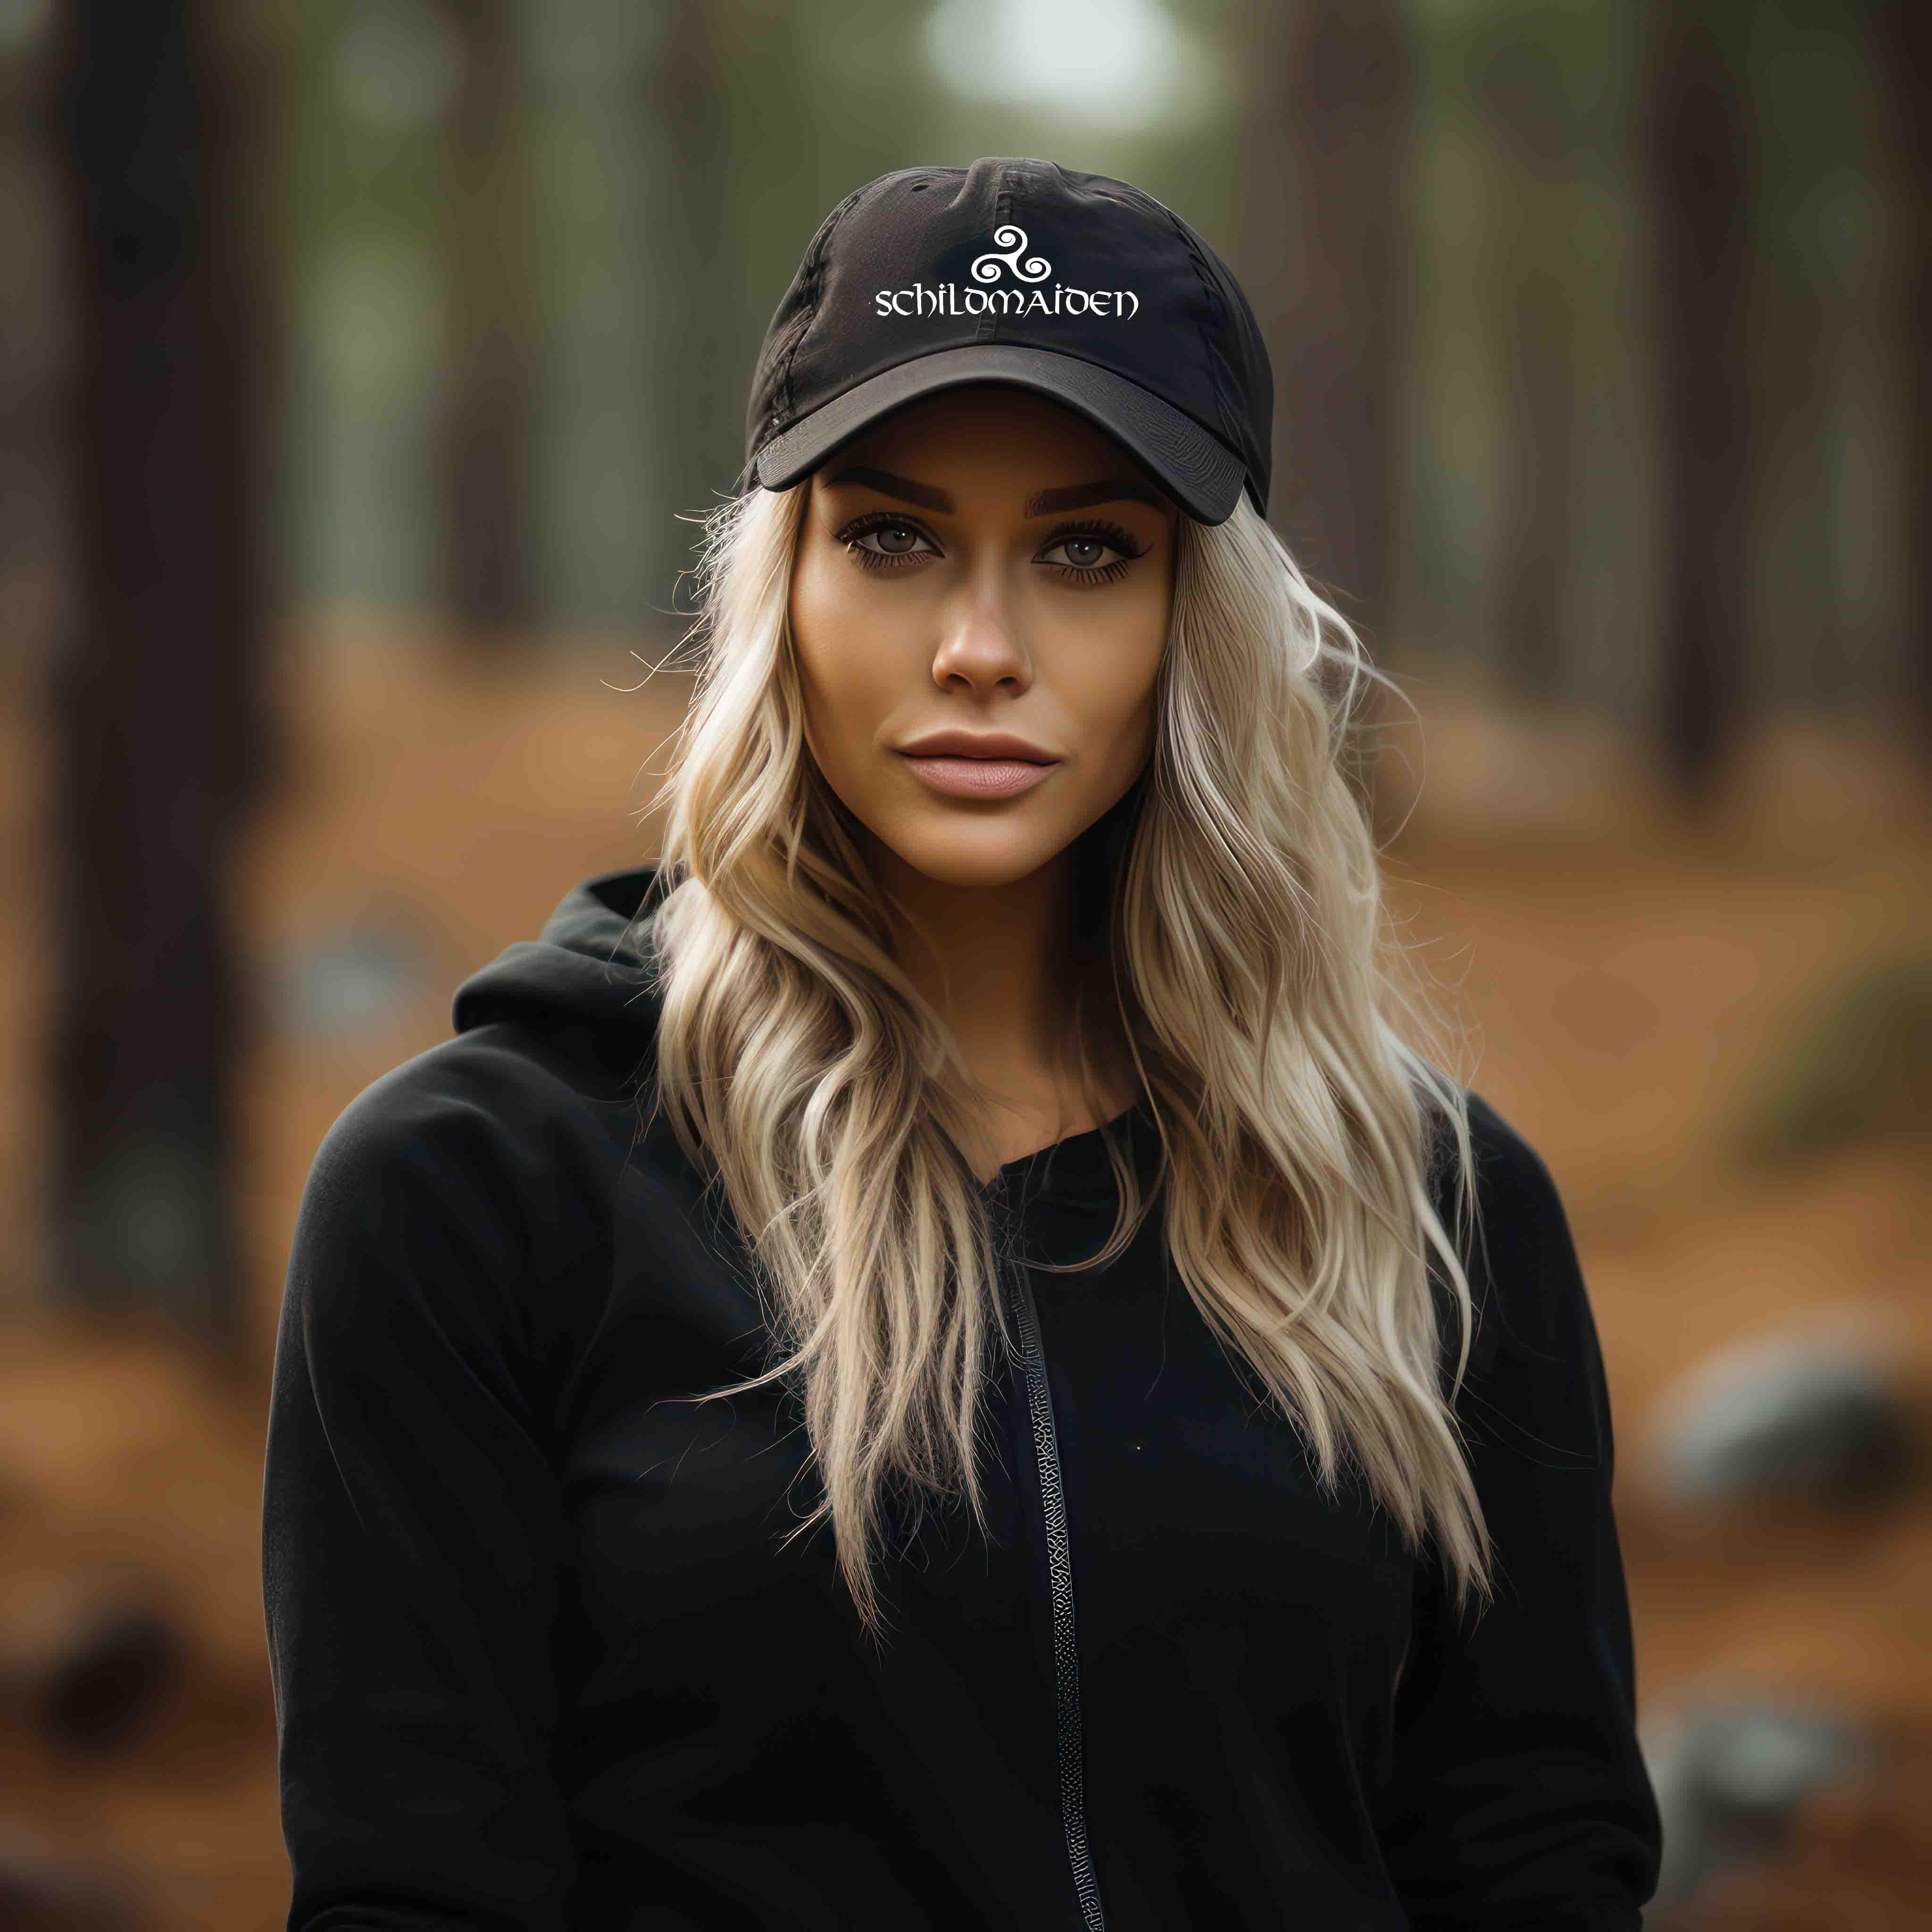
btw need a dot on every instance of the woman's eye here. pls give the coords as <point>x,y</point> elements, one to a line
<point>895,540</point>
<point>1078,555</point>
<point>1082,552</point>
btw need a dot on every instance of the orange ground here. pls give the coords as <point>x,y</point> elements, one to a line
<point>1624,980</point>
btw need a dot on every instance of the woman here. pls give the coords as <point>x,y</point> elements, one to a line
<point>923,1361</point>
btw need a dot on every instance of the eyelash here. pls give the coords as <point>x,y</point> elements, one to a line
<point>1110,534</point>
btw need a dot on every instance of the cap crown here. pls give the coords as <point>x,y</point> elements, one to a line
<point>1017,251</point>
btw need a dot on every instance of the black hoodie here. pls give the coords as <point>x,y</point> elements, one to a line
<point>539,1660</point>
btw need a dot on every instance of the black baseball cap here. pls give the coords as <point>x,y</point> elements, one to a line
<point>1078,286</point>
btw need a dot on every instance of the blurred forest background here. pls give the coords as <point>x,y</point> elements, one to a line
<point>362,366</point>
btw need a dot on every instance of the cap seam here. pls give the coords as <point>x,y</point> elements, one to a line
<point>815,274</point>
<point>987,330</point>
<point>1213,294</point>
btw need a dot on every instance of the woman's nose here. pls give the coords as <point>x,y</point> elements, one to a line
<point>980,643</point>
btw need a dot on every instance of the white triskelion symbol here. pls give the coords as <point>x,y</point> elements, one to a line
<point>1012,240</point>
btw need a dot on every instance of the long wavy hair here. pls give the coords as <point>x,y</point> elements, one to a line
<point>1228,921</point>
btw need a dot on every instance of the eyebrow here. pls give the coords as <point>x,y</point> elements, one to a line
<point>1042,503</point>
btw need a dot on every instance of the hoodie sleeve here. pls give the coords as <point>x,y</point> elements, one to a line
<point>411,1528</point>
<point>1519,1796</point>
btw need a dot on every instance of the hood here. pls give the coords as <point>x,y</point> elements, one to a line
<point>584,974</point>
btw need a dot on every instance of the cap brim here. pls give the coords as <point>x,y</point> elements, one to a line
<point>1195,467</point>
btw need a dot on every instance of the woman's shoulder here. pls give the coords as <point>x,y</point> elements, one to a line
<point>1507,1171</point>
<point>1518,1248</point>
<point>1524,1266</point>
<point>1510,1173</point>
<point>479,1106</point>
<point>472,1184</point>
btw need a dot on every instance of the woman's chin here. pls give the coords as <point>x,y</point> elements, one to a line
<point>951,853</point>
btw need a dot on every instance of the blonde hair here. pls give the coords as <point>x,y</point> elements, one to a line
<point>1246,951</point>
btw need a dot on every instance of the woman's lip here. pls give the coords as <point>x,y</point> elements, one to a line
<point>976,777</point>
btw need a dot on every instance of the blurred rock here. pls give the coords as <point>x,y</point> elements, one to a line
<point>117,1662</point>
<point>82,1660</point>
<point>1729,1777</point>
<point>1859,1857</point>
<point>1818,1413</point>
<point>355,981</point>
<point>41,1892</point>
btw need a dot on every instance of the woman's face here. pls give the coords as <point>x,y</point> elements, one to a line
<point>987,561</point>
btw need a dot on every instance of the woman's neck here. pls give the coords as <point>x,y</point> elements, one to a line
<point>992,960</point>
<point>996,964</point>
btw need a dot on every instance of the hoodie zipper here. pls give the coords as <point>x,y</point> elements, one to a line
<point>1060,1584</point>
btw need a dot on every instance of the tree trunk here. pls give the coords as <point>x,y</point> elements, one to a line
<point>1323,258</point>
<point>690,199</point>
<point>1536,321</point>
<point>1698,181</point>
<point>489,403</point>
<point>1904,50</point>
<point>154,696</point>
